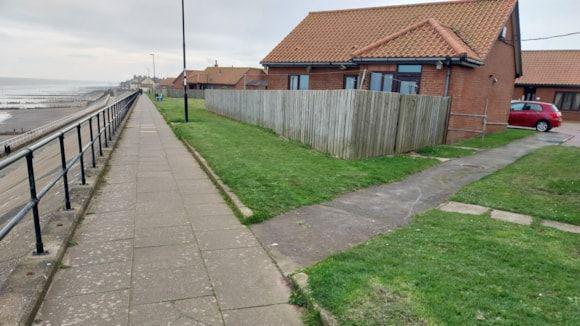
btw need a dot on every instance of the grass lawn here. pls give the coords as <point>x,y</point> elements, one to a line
<point>544,184</point>
<point>496,139</point>
<point>454,269</point>
<point>490,141</point>
<point>445,151</point>
<point>272,175</point>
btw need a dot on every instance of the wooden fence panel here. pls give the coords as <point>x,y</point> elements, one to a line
<point>344,123</point>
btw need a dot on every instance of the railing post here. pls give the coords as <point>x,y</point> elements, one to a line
<point>92,142</point>
<point>81,158</point>
<point>105,129</point>
<point>35,214</point>
<point>115,113</point>
<point>109,123</point>
<point>99,134</point>
<point>65,173</point>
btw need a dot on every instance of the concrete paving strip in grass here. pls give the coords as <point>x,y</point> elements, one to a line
<point>544,184</point>
<point>453,269</point>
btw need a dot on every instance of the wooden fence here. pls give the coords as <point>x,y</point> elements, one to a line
<point>349,124</point>
<point>191,93</point>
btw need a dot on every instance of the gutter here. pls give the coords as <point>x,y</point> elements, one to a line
<point>463,61</point>
<point>307,64</point>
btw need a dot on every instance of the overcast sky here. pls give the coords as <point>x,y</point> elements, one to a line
<point>110,40</point>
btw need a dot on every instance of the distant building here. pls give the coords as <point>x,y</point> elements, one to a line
<point>552,76</point>
<point>147,85</point>
<point>224,78</point>
<point>166,83</point>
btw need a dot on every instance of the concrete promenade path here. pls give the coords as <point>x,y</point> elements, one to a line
<point>160,246</point>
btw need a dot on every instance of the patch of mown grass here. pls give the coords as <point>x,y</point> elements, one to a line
<point>454,269</point>
<point>272,175</point>
<point>445,151</point>
<point>496,139</point>
<point>544,184</point>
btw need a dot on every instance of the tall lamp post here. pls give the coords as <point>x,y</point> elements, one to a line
<point>153,55</point>
<point>184,71</point>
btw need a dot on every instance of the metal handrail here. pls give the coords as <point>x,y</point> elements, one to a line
<point>111,117</point>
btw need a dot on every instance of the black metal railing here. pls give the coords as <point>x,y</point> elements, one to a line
<point>108,121</point>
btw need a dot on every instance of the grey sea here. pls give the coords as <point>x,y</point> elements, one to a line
<point>27,103</point>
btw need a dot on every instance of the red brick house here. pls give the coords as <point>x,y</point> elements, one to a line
<point>552,76</point>
<point>167,83</point>
<point>467,49</point>
<point>224,78</point>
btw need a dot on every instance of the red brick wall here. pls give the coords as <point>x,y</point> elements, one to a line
<point>320,78</point>
<point>432,81</point>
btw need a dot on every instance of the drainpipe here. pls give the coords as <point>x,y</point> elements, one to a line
<point>446,93</point>
<point>447,77</point>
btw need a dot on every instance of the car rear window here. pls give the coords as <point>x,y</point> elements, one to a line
<point>554,108</point>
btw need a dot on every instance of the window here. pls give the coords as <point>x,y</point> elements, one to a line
<point>409,69</point>
<point>350,82</point>
<point>503,33</point>
<point>529,93</point>
<point>304,81</point>
<point>533,107</point>
<point>387,83</point>
<point>381,82</point>
<point>298,82</point>
<point>409,87</point>
<point>517,106</point>
<point>376,81</point>
<point>567,101</point>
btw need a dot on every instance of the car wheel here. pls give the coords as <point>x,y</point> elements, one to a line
<point>542,126</point>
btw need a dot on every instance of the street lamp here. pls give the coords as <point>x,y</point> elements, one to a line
<point>184,71</point>
<point>153,55</point>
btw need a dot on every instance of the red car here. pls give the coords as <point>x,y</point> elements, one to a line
<point>539,115</point>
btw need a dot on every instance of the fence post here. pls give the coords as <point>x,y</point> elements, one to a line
<point>35,214</point>
<point>92,142</point>
<point>81,158</point>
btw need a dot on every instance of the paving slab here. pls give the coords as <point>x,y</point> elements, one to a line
<point>71,281</point>
<point>161,247</point>
<point>511,217</point>
<point>456,207</point>
<point>562,226</point>
<point>244,278</point>
<point>283,314</point>
<point>226,239</point>
<point>88,253</point>
<point>160,285</point>
<point>309,234</point>
<point>196,311</point>
<point>215,222</point>
<point>109,308</point>
<point>162,236</point>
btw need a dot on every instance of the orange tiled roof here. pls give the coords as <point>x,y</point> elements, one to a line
<point>221,75</point>
<point>167,82</point>
<point>440,29</point>
<point>551,67</point>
